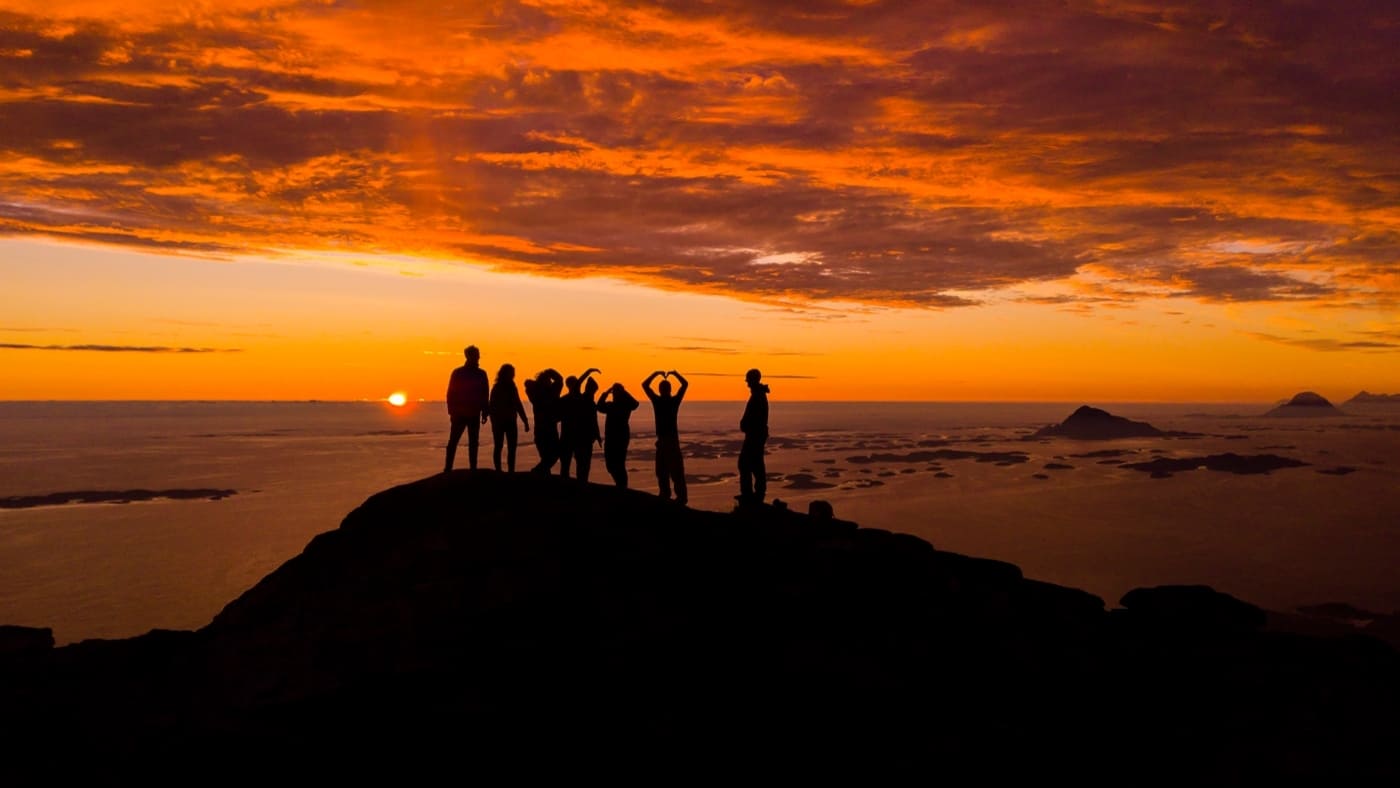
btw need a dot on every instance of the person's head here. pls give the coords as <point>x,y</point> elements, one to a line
<point>506,373</point>
<point>546,375</point>
<point>664,387</point>
<point>473,355</point>
<point>571,383</point>
<point>752,377</point>
<point>591,387</point>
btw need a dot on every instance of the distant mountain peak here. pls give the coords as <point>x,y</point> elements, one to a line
<point>1367,398</point>
<point>1090,423</point>
<point>1306,403</point>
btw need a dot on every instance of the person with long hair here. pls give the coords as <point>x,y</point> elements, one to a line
<point>505,405</point>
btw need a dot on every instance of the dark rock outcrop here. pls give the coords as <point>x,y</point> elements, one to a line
<point>20,640</point>
<point>1193,609</point>
<point>1229,462</point>
<point>1088,423</point>
<point>1306,404</point>
<point>519,624</point>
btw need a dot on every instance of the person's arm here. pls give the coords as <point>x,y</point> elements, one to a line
<point>586,374</point>
<point>603,400</point>
<point>520,408</point>
<point>680,392</point>
<point>646,385</point>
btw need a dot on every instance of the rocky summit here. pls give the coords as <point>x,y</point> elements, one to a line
<point>537,626</point>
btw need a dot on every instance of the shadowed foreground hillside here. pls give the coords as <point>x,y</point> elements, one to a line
<point>538,625</point>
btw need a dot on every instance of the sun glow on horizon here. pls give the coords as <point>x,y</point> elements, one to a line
<point>398,399</point>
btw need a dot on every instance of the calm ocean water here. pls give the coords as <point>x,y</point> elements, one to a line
<point>115,570</point>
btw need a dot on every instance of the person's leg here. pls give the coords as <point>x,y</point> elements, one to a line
<point>663,471</point>
<point>745,472</point>
<point>458,424</point>
<point>566,456</point>
<point>582,460</point>
<point>621,476</point>
<point>678,474</point>
<point>473,438</point>
<point>610,459</point>
<point>760,473</point>
<point>542,448</point>
<point>512,440</point>
<point>550,452</point>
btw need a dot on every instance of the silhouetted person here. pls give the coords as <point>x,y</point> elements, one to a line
<point>578,426</point>
<point>505,406</point>
<point>544,391</point>
<point>467,394</point>
<point>617,405</point>
<point>753,477</point>
<point>670,464</point>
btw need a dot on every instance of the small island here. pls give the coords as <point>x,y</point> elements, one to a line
<point>1088,423</point>
<point>1368,401</point>
<point>1305,405</point>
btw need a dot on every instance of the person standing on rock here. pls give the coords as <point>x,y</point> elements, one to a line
<point>617,404</point>
<point>505,406</point>
<point>665,408</point>
<point>578,425</point>
<point>468,392</point>
<point>753,476</point>
<point>543,391</point>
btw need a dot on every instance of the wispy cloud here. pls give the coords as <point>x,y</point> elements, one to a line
<point>118,348</point>
<point>1330,344</point>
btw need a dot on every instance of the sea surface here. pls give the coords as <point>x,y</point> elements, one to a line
<point>121,517</point>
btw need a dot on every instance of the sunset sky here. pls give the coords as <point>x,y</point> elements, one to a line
<point>1034,200</point>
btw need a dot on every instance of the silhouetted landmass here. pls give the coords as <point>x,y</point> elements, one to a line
<point>110,496</point>
<point>805,481</point>
<point>1367,399</point>
<point>485,622</point>
<point>1093,424</point>
<point>1012,457</point>
<point>1340,470</point>
<point>1104,453</point>
<point>1306,404</point>
<point>1162,467</point>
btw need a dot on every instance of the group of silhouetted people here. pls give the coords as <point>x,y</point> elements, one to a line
<point>566,424</point>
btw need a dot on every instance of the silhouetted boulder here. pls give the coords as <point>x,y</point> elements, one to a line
<point>1305,404</point>
<point>1088,423</point>
<point>1191,608</point>
<point>18,640</point>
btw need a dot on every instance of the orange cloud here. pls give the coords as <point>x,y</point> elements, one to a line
<point>906,154</point>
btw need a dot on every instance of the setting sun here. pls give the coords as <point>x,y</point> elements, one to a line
<point>398,399</point>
